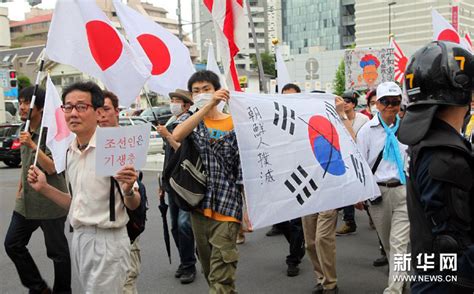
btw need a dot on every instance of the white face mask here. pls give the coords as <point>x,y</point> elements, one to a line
<point>176,108</point>
<point>202,99</point>
<point>374,110</point>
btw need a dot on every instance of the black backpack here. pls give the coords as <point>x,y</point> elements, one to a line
<point>137,217</point>
<point>186,176</point>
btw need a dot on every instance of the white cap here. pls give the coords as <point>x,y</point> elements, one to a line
<point>388,89</point>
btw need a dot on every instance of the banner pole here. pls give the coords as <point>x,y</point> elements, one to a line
<point>33,98</point>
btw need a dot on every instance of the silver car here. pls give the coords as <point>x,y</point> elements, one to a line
<point>156,142</point>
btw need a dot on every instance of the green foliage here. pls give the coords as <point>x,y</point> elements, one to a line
<point>339,83</point>
<point>23,82</point>
<point>268,63</point>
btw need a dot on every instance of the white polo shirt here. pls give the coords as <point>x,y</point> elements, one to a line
<point>90,193</point>
<point>370,141</point>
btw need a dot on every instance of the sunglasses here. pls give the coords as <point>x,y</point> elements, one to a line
<point>349,100</point>
<point>392,102</point>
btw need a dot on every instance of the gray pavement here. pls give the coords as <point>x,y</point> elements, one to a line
<point>261,267</point>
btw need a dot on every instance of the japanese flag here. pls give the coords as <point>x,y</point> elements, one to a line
<point>59,136</point>
<point>82,36</point>
<point>166,56</point>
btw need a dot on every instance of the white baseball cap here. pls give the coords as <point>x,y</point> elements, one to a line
<point>388,89</point>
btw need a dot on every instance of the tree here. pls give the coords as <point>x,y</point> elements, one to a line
<point>339,83</point>
<point>268,63</point>
<point>23,82</point>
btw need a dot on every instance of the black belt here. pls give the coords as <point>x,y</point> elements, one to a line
<point>390,184</point>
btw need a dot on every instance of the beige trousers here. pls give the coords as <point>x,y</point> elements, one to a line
<point>320,237</point>
<point>100,258</point>
<point>390,218</point>
<point>130,286</point>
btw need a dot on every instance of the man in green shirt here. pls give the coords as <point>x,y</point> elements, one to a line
<point>33,210</point>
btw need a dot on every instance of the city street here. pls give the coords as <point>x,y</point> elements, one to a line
<point>261,267</point>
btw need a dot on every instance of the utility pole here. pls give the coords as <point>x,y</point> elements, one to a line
<point>261,74</point>
<point>180,24</point>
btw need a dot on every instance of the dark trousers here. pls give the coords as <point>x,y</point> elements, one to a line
<point>18,236</point>
<point>293,232</point>
<point>182,232</point>
<point>349,214</point>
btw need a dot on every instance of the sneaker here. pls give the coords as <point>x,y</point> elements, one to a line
<point>293,270</point>
<point>274,231</point>
<point>241,238</point>
<point>179,272</point>
<point>346,229</point>
<point>187,277</point>
<point>318,289</point>
<point>334,290</point>
<point>381,261</point>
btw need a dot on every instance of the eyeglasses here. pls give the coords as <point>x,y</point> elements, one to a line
<point>392,102</point>
<point>80,107</point>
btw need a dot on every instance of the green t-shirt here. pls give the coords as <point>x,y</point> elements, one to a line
<point>32,204</point>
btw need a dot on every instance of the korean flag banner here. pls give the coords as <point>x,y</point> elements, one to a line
<point>297,157</point>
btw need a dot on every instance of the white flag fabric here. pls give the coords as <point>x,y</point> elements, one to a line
<point>213,66</point>
<point>297,158</point>
<point>467,43</point>
<point>82,36</point>
<point>59,136</point>
<point>166,56</point>
<point>283,77</point>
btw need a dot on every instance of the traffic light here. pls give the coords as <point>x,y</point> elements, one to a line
<point>13,80</point>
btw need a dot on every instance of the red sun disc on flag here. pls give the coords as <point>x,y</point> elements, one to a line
<point>449,35</point>
<point>157,53</point>
<point>104,43</point>
<point>62,129</point>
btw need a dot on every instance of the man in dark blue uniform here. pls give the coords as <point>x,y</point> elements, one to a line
<point>440,190</point>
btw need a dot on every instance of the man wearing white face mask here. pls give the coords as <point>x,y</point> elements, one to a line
<point>181,228</point>
<point>216,221</point>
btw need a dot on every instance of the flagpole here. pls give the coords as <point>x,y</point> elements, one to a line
<point>33,98</point>
<point>263,85</point>
<point>38,146</point>
<point>151,106</point>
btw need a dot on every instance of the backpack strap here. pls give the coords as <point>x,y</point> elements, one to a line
<point>377,162</point>
<point>113,184</point>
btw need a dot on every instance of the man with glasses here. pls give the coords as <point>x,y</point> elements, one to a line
<point>33,210</point>
<point>100,243</point>
<point>357,120</point>
<point>378,143</point>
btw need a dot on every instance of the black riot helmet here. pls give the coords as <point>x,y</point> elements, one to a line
<point>440,73</point>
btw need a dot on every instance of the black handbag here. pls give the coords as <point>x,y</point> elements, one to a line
<point>185,176</point>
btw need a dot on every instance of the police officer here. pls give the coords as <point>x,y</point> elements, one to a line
<point>440,193</point>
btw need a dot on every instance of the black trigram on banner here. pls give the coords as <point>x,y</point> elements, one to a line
<point>296,179</point>
<point>331,110</point>
<point>285,124</point>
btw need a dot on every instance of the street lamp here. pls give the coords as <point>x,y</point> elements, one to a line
<point>390,17</point>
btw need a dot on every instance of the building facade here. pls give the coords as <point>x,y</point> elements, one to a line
<point>321,24</point>
<point>275,25</point>
<point>204,33</point>
<point>409,21</point>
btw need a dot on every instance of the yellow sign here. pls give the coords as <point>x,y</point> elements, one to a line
<point>243,80</point>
